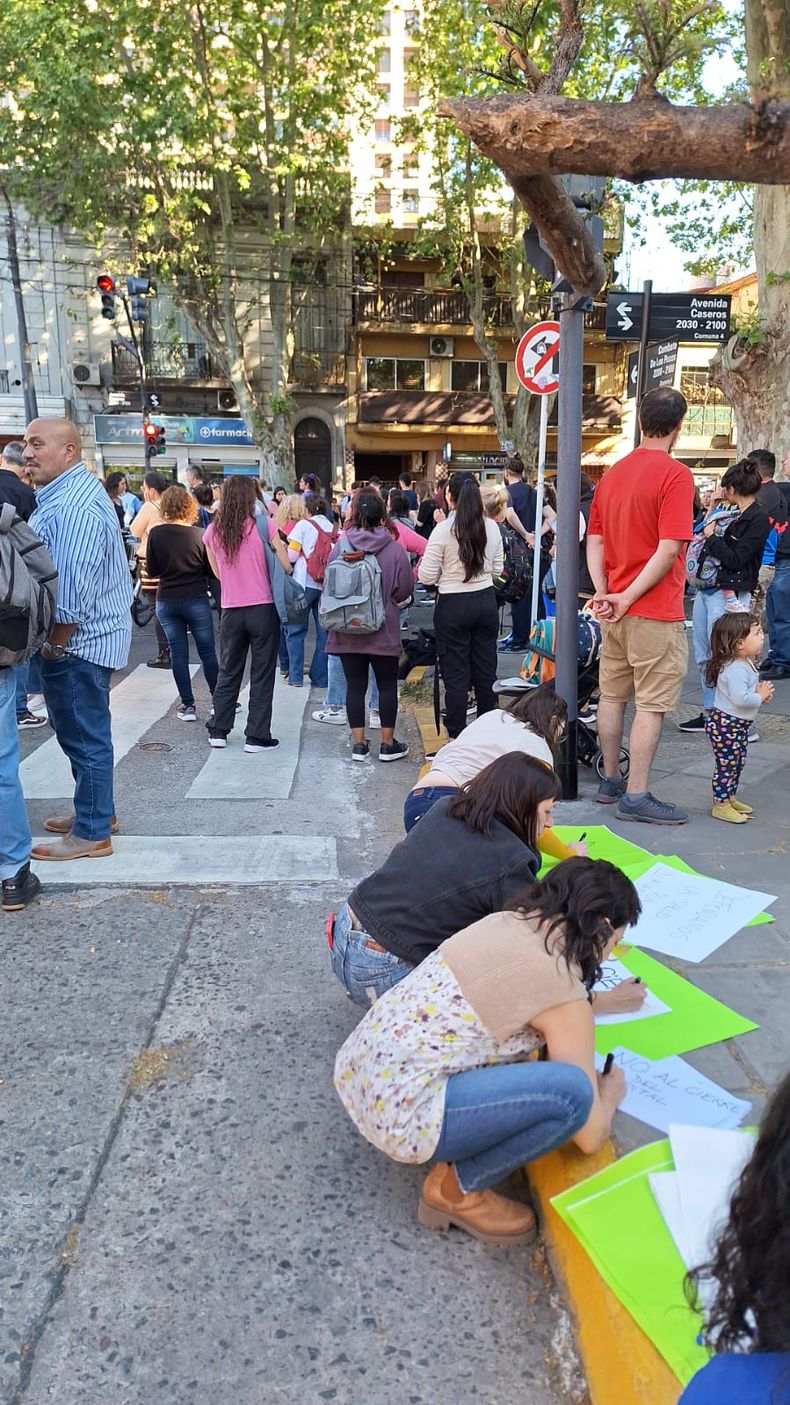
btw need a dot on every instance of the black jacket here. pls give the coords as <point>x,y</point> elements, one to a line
<point>740,549</point>
<point>441,878</point>
<point>783,533</point>
<point>13,490</point>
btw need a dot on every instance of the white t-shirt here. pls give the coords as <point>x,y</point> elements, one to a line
<point>302,539</point>
<point>485,740</point>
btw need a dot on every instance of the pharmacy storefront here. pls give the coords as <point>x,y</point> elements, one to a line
<point>216,446</point>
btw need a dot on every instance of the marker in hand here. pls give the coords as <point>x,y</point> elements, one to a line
<point>608,1063</point>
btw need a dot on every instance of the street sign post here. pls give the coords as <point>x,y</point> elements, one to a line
<point>662,360</point>
<point>535,362</point>
<point>682,317</point>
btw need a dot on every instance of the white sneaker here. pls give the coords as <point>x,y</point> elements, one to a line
<point>186,714</point>
<point>375,720</point>
<point>218,743</point>
<point>334,715</point>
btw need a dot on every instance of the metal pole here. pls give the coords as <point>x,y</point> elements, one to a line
<point>644,337</point>
<point>569,454</point>
<point>544,425</point>
<point>141,367</point>
<point>28,383</point>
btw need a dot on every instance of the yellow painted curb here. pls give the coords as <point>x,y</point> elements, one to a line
<point>621,1364</point>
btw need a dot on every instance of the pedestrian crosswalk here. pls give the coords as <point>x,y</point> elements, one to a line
<point>138,703</point>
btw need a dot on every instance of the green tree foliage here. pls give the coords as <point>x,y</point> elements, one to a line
<point>211,136</point>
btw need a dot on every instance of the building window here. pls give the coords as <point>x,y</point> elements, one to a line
<point>384,23</point>
<point>473,375</point>
<point>389,373</point>
<point>384,61</point>
<point>696,387</point>
<point>411,202</point>
<point>383,202</point>
<point>384,97</point>
<point>383,164</point>
<point>411,95</point>
<point>411,167</point>
<point>588,379</point>
<point>411,20</point>
<point>383,129</point>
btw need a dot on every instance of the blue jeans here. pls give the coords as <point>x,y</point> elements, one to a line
<point>336,689</point>
<point>499,1117</point>
<point>364,973</point>
<point>296,635</point>
<point>419,802</point>
<point>14,826</point>
<point>78,701</point>
<point>777,609</point>
<point>709,606</point>
<point>176,617</point>
<point>28,680</point>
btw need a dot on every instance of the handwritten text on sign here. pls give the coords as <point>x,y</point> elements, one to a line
<point>688,916</point>
<point>670,1090</point>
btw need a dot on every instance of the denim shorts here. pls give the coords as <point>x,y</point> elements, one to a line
<point>364,973</point>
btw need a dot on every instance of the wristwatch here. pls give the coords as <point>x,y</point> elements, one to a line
<point>53,651</point>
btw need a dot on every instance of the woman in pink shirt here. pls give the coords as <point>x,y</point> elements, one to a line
<point>249,618</point>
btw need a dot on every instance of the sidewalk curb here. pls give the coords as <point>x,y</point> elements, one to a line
<point>620,1362</point>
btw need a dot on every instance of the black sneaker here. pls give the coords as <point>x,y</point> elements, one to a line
<point>775,672</point>
<point>260,743</point>
<point>694,724</point>
<point>20,890</point>
<point>393,751</point>
<point>162,660</point>
<point>29,719</point>
<point>360,751</point>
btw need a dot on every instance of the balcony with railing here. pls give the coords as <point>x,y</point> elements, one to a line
<point>165,361</point>
<point>600,413</point>
<point>317,370</point>
<point>428,306</point>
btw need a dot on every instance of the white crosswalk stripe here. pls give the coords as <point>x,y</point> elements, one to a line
<point>232,774</point>
<point>164,861</point>
<point>136,704</point>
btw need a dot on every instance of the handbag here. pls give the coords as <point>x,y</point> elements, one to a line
<point>290,600</point>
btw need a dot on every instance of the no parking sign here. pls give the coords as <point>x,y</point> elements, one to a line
<point>536,358</point>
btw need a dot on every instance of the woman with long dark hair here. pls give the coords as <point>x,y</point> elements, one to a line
<point>369,532</point>
<point>250,623</point>
<point>748,1322</point>
<point>176,558</point>
<point>463,555</point>
<point>437,1070</point>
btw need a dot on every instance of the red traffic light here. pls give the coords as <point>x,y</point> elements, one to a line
<point>105,283</point>
<point>150,430</point>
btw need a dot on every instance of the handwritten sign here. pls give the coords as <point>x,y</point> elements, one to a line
<point>612,973</point>
<point>687,916</point>
<point>670,1090</point>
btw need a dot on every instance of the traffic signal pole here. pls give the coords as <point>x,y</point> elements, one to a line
<point>138,351</point>
<point>569,456</point>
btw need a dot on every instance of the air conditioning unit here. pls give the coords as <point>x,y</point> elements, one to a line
<point>86,373</point>
<point>441,346</point>
<point>226,400</point>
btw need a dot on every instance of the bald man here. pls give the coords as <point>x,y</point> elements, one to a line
<point>77,523</point>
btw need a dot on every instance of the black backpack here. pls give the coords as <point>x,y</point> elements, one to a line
<point>28,589</point>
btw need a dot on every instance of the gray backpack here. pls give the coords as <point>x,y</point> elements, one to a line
<point>28,589</point>
<point>352,601</point>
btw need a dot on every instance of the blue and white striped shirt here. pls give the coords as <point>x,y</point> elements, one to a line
<point>79,527</point>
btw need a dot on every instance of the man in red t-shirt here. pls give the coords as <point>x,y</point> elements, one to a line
<point>640,523</point>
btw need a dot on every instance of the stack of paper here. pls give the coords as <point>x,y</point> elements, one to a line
<point>694,1199</point>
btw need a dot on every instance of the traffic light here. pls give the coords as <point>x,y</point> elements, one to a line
<point>108,288</point>
<point>138,290</point>
<point>154,439</point>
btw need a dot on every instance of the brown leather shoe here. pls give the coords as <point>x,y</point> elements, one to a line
<point>70,847</point>
<point>482,1213</point>
<point>63,824</point>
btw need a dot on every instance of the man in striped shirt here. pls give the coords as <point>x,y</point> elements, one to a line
<point>77,523</point>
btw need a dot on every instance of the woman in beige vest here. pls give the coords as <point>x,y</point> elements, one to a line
<point>437,1070</point>
<point>154,485</point>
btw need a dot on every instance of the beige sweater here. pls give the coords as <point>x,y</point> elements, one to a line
<point>441,562</point>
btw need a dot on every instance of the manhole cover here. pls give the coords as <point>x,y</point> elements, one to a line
<point>154,746</point>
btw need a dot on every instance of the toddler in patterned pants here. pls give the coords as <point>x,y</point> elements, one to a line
<point>736,642</point>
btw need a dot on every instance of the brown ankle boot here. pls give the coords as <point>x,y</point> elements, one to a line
<point>482,1213</point>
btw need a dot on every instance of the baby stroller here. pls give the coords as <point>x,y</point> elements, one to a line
<point>539,667</point>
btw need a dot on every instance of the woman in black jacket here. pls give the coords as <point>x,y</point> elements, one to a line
<point>739,552</point>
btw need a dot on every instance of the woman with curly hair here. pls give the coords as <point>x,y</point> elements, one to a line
<point>176,557</point>
<point>250,623</point>
<point>748,1322</point>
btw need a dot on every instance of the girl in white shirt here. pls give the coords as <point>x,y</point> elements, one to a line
<point>463,556</point>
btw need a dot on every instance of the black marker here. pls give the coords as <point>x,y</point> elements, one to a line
<point>637,980</point>
<point>581,837</point>
<point>607,1068</point>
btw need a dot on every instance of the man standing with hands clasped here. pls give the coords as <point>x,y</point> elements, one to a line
<point>76,521</point>
<point>640,524</point>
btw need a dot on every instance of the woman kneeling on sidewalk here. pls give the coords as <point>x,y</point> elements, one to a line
<point>436,1070</point>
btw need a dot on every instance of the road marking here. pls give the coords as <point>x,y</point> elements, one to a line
<point>164,861</point>
<point>232,774</point>
<point>136,704</point>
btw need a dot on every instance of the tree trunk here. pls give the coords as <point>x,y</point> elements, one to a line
<point>754,380</point>
<point>645,139</point>
<point>526,426</point>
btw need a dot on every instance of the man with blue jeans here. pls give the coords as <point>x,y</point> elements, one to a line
<point>92,632</point>
<point>19,885</point>
<point>777,602</point>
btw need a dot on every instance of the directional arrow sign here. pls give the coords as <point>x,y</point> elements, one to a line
<point>682,317</point>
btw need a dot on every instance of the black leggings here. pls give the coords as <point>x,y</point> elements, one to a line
<point>466,627</point>
<point>385,668</point>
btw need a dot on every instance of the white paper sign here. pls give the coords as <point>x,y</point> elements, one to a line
<point>612,973</point>
<point>707,1163</point>
<point>688,916</point>
<point>665,1188</point>
<point>669,1090</point>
